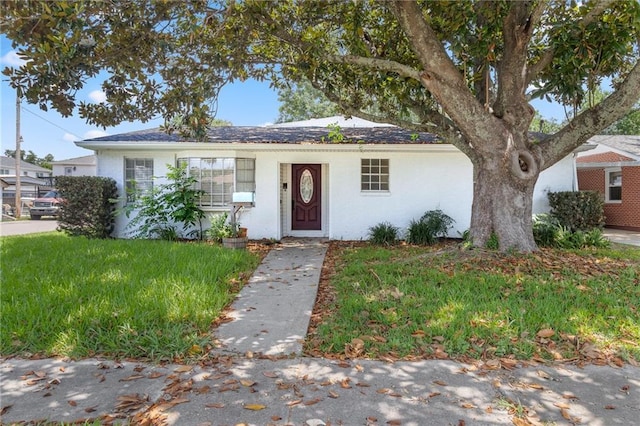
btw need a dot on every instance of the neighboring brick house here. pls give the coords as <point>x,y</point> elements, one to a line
<point>613,169</point>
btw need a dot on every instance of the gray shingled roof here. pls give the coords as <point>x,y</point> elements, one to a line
<point>87,160</point>
<point>626,143</point>
<point>24,180</point>
<point>288,135</point>
<point>10,163</point>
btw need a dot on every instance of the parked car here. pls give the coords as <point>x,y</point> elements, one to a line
<point>48,205</point>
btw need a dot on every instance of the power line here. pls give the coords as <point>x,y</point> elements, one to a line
<point>50,122</point>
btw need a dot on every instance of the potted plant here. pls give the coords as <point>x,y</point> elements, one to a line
<point>230,234</point>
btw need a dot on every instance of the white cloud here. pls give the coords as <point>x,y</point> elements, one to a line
<point>12,59</point>
<point>98,96</point>
<point>68,137</point>
<point>94,134</point>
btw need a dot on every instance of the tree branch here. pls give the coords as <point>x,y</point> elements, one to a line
<point>536,14</point>
<point>511,104</point>
<point>593,120</point>
<point>441,77</point>
<point>548,55</point>
<point>375,63</point>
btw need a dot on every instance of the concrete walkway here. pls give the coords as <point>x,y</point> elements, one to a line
<point>271,314</point>
<point>623,237</point>
<point>244,384</point>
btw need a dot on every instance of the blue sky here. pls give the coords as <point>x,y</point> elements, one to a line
<point>250,103</point>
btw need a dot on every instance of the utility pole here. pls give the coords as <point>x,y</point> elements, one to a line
<point>17,156</point>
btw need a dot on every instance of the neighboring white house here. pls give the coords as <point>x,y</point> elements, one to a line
<point>34,181</point>
<point>8,168</point>
<point>77,166</point>
<point>313,181</point>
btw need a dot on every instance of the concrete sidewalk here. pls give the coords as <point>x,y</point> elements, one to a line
<point>257,377</point>
<point>309,391</point>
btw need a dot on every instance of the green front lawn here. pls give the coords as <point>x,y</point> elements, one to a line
<point>121,298</point>
<point>443,302</point>
<point>157,300</point>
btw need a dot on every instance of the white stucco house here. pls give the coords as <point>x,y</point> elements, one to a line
<point>305,182</point>
<point>8,168</point>
<point>76,166</point>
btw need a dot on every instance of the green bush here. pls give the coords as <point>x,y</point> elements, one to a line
<point>168,205</point>
<point>433,225</point>
<point>88,207</point>
<point>221,228</point>
<point>595,238</point>
<point>548,232</point>
<point>383,234</point>
<point>577,210</point>
<point>580,239</point>
<point>545,228</point>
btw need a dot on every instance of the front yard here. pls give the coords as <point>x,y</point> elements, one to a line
<point>119,298</point>
<point>158,301</point>
<point>442,302</point>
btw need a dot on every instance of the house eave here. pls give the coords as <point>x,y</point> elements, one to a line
<point>584,148</point>
<point>609,164</point>
<point>264,147</point>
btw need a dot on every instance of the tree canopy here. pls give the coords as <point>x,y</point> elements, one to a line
<point>302,102</point>
<point>628,125</point>
<point>31,157</point>
<point>465,70</point>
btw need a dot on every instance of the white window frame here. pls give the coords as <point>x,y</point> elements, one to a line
<point>241,170</point>
<point>140,180</point>
<point>375,175</point>
<point>608,185</point>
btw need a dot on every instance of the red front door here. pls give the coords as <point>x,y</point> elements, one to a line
<point>306,197</point>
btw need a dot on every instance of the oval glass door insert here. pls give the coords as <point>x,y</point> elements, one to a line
<point>306,186</point>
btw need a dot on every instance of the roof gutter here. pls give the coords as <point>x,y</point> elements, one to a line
<point>263,147</point>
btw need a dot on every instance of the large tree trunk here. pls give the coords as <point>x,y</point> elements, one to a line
<point>503,199</point>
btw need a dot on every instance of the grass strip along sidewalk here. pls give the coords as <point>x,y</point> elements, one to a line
<point>142,299</point>
<point>443,302</point>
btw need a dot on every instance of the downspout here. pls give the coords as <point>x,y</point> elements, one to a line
<point>575,172</point>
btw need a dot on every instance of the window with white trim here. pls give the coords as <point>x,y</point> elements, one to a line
<point>374,174</point>
<point>219,178</point>
<point>613,185</point>
<point>138,177</point>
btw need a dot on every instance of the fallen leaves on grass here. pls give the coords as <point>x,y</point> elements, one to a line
<point>548,342</point>
<point>545,333</point>
<point>354,349</point>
